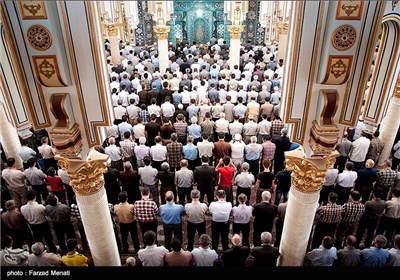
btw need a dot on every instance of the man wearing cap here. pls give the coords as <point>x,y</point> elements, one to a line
<point>40,257</point>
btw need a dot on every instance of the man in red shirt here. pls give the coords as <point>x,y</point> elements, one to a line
<point>226,169</point>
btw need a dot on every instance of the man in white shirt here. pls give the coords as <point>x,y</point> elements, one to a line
<point>152,255</point>
<point>359,151</point>
<point>345,182</point>
<point>114,153</point>
<point>241,219</point>
<point>119,111</point>
<point>15,180</point>
<point>167,109</point>
<point>204,255</point>
<point>220,211</point>
<point>25,153</point>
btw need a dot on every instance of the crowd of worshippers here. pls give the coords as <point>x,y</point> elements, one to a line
<point>205,146</point>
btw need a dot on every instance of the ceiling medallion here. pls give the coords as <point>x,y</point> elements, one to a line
<point>39,37</point>
<point>344,37</point>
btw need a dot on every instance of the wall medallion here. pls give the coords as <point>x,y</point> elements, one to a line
<point>344,37</point>
<point>39,37</point>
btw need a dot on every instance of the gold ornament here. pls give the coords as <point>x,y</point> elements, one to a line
<point>283,28</point>
<point>112,29</point>
<point>162,32</point>
<point>344,37</point>
<point>338,68</point>
<point>236,31</point>
<point>86,176</point>
<point>397,88</point>
<point>32,9</point>
<point>39,37</point>
<point>350,9</point>
<point>308,174</point>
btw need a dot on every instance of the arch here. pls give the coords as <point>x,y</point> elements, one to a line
<point>386,70</point>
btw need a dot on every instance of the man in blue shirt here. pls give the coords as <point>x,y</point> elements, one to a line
<point>194,129</point>
<point>375,255</point>
<point>191,153</point>
<point>171,215</point>
<point>325,255</point>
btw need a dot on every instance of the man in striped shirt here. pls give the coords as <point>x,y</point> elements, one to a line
<point>145,211</point>
<point>351,214</point>
<point>329,216</point>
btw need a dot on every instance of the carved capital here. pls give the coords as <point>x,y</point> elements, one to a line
<point>162,32</point>
<point>397,88</point>
<point>112,29</point>
<point>236,31</point>
<point>86,176</point>
<point>308,174</point>
<point>283,28</point>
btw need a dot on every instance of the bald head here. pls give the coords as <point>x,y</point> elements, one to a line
<point>369,163</point>
<point>236,240</point>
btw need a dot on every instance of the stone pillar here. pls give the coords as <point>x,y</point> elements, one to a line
<point>389,124</point>
<point>112,33</point>
<point>308,176</point>
<point>283,29</point>
<point>162,36</point>
<point>87,180</point>
<point>9,138</point>
<point>234,49</point>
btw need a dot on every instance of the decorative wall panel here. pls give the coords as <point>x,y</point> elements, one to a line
<point>47,70</point>
<point>32,9</point>
<point>253,31</point>
<point>144,31</point>
<point>349,10</point>
<point>24,76</point>
<point>338,69</point>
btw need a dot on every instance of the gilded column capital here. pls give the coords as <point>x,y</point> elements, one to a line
<point>162,31</point>
<point>397,88</point>
<point>86,176</point>
<point>235,31</point>
<point>112,29</point>
<point>308,174</point>
<point>283,28</point>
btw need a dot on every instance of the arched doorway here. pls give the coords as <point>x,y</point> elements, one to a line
<point>386,70</point>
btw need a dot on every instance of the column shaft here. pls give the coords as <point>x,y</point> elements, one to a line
<point>163,54</point>
<point>114,48</point>
<point>283,39</point>
<point>234,49</point>
<point>9,139</point>
<point>99,229</point>
<point>234,52</point>
<point>388,129</point>
<point>298,223</point>
<point>87,180</point>
<point>162,36</point>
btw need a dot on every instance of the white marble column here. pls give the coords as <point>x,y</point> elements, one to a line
<point>283,28</point>
<point>234,49</point>
<point>162,43</point>
<point>9,138</point>
<point>308,175</point>
<point>87,180</point>
<point>112,33</point>
<point>389,125</point>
